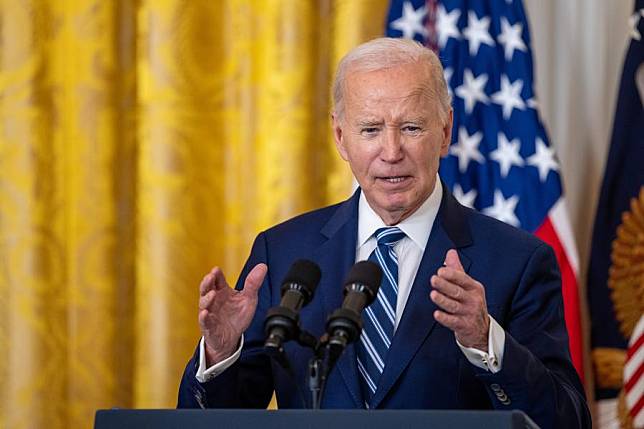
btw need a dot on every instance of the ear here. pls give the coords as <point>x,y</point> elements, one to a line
<point>338,136</point>
<point>447,133</point>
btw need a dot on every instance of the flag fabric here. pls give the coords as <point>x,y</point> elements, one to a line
<point>500,161</point>
<point>633,379</point>
<point>623,180</point>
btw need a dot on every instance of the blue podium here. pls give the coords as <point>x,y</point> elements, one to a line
<point>310,419</point>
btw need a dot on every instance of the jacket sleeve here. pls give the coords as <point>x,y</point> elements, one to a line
<point>537,375</point>
<point>248,383</point>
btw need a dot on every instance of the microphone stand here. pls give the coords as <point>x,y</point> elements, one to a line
<point>325,355</point>
<point>317,368</point>
<point>317,372</point>
<point>326,352</point>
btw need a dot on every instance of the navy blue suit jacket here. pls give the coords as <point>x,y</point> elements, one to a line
<point>424,368</point>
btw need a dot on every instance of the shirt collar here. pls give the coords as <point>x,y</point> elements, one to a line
<point>417,226</point>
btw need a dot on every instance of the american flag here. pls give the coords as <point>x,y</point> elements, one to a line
<point>500,161</point>
<point>633,379</point>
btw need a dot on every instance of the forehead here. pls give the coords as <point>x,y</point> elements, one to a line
<point>397,89</point>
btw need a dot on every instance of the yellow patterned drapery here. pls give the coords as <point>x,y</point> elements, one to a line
<point>142,142</point>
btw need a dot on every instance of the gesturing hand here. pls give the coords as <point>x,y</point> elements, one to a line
<point>462,303</point>
<point>225,313</point>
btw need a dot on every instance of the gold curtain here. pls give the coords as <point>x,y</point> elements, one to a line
<point>141,143</point>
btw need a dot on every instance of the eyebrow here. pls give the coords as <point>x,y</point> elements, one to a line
<point>369,122</point>
<point>416,120</point>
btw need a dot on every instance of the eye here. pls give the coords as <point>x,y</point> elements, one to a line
<point>411,129</point>
<point>369,131</point>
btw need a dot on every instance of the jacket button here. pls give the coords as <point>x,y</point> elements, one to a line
<point>495,387</point>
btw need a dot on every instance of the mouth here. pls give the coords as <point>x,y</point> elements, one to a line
<point>394,180</point>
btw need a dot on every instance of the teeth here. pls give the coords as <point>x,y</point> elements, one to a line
<point>397,179</point>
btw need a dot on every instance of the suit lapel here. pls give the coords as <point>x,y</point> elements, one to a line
<point>450,230</point>
<point>335,257</point>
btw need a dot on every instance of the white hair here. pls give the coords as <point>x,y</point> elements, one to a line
<point>384,53</point>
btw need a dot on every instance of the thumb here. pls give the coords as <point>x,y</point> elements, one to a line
<point>255,278</point>
<point>452,260</point>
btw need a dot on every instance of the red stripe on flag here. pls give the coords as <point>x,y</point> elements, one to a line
<point>431,40</point>
<point>637,407</point>
<point>634,378</point>
<point>570,293</point>
<point>635,346</point>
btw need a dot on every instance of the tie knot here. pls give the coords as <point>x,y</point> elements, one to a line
<point>389,236</point>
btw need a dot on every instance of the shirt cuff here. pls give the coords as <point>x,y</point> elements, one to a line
<point>205,374</point>
<point>491,361</point>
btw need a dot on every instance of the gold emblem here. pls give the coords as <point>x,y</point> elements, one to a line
<point>626,274</point>
<point>626,281</point>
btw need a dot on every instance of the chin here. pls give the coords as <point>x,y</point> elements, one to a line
<point>395,204</point>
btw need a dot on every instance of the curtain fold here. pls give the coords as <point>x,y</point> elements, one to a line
<point>141,143</point>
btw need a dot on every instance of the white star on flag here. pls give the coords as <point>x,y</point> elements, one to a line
<point>510,38</point>
<point>467,148</point>
<point>447,74</point>
<point>477,32</point>
<point>507,154</point>
<point>446,25</point>
<point>503,209</point>
<point>509,96</point>
<point>467,199</point>
<point>471,90</point>
<point>411,21</point>
<point>543,159</point>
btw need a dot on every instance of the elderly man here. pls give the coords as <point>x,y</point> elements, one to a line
<point>469,315</point>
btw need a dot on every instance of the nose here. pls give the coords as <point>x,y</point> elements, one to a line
<point>391,150</point>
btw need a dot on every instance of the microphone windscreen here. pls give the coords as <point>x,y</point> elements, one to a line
<point>366,273</point>
<point>305,273</point>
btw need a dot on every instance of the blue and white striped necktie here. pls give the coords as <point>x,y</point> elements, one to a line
<point>380,317</point>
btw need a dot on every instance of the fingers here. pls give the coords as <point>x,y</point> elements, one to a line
<point>450,305</point>
<point>453,272</point>
<point>450,321</point>
<point>255,278</point>
<point>455,292</point>
<point>205,284</point>
<point>450,297</point>
<point>203,314</point>
<point>448,288</point>
<point>206,300</point>
<point>214,280</point>
<point>454,287</point>
<point>461,303</point>
<point>453,261</point>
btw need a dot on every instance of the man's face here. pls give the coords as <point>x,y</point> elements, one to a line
<point>392,137</point>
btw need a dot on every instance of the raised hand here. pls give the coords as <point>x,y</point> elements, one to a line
<point>225,313</point>
<point>462,303</point>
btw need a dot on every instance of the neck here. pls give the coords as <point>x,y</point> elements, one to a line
<point>394,217</point>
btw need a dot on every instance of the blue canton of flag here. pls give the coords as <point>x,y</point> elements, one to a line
<point>500,161</point>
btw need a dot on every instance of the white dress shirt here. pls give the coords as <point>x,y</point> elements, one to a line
<point>409,251</point>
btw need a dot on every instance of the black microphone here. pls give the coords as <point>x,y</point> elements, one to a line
<point>282,322</point>
<point>360,289</point>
